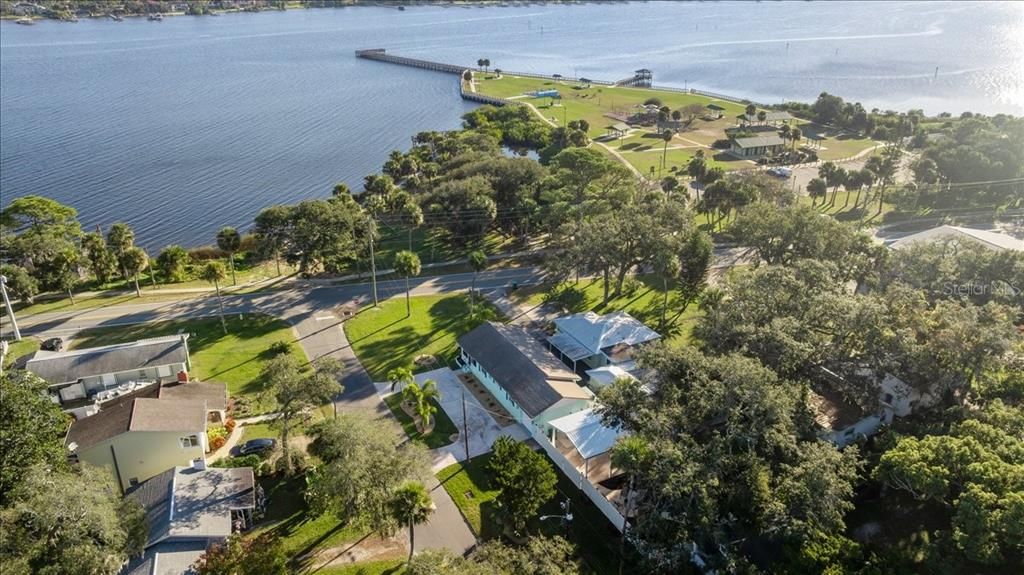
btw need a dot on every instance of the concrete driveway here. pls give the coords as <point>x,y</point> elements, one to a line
<point>481,427</point>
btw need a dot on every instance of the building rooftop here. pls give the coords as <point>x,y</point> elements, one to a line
<point>137,411</point>
<point>73,365</point>
<point>759,141</point>
<point>587,433</point>
<point>533,377</point>
<point>185,503</point>
<point>714,106</point>
<point>585,334</point>
<point>214,394</point>
<point>769,117</point>
<point>831,410</point>
<point>989,239</point>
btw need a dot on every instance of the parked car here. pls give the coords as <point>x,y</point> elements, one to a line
<point>52,344</point>
<point>257,446</point>
<point>781,172</point>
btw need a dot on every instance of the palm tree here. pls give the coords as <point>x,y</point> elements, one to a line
<point>478,261</point>
<point>133,261</point>
<point>697,169</point>
<point>630,454</point>
<point>761,116</point>
<point>400,375</point>
<point>213,272</point>
<point>120,239</point>
<point>667,267</point>
<point>839,178</point>
<point>795,134</point>
<point>411,506</point>
<point>407,264</point>
<point>425,400</point>
<point>817,188</point>
<point>677,115</point>
<point>784,132</point>
<point>229,240</point>
<point>667,137</point>
<point>750,111</point>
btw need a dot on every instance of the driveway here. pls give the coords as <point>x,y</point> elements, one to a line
<point>481,427</point>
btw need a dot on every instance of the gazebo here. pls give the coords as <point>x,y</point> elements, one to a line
<point>617,130</point>
<point>715,111</point>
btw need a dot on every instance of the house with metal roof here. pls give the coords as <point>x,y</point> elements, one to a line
<point>591,341</point>
<point>531,383</point>
<point>79,374</point>
<point>763,144</point>
<point>189,508</point>
<point>992,240</point>
<point>138,435</point>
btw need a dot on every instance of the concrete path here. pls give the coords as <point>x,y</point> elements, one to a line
<point>236,435</point>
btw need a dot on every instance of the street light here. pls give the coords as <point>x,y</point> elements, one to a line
<point>10,310</point>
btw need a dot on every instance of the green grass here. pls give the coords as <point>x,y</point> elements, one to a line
<point>289,518</point>
<point>257,431</point>
<point>594,535</point>
<point>644,303</point>
<point>469,487</point>
<point>18,349</point>
<point>384,338</point>
<point>439,436</point>
<point>235,359</point>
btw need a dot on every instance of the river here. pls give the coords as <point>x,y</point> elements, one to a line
<point>183,126</point>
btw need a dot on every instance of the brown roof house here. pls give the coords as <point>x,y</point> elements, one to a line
<point>522,374</point>
<point>187,509</point>
<point>139,435</point>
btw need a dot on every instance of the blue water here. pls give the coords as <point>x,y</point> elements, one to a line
<point>183,126</point>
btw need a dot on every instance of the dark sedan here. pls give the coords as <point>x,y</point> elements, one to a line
<point>258,446</point>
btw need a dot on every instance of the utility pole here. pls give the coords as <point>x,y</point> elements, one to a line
<point>373,261</point>
<point>465,426</point>
<point>10,310</point>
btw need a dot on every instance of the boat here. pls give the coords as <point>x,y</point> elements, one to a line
<point>25,21</point>
<point>156,17</point>
<point>115,17</point>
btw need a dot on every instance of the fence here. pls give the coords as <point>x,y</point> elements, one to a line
<point>578,478</point>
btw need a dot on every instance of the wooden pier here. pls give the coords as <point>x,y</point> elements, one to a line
<point>381,55</point>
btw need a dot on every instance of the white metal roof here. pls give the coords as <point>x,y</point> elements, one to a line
<point>586,432</point>
<point>607,375</point>
<point>597,332</point>
<point>989,239</point>
<point>569,346</point>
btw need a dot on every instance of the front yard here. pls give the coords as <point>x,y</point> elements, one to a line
<point>235,359</point>
<point>439,436</point>
<point>383,338</point>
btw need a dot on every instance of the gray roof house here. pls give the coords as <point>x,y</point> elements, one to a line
<point>756,146</point>
<point>600,340</point>
<point>521,373</point>
<point>81,373</point>
<point>187,509</point>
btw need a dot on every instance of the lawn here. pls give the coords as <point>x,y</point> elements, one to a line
<point>597,540</point>
<point>18,349</point>
<point>235,359</point>
<point>383,338</point>
<point>439,436</point>
<point>642,298</point>
<point>384,567</point>
<point>289,518</point>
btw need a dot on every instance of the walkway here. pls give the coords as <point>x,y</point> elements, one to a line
<point>236,435</point>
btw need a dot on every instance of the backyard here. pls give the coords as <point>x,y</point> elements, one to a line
<point>235,359</point>
<point>469,486</point>
<point>383,338</point>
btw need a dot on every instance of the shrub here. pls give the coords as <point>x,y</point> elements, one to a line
<point>721,144</point>
<point>229,425</point>
<point>216,432</point>
<point>299,462</point>
<point>279,348</point>
<point>254,461</point>
<point>217,442</point>
<point>652,102</point>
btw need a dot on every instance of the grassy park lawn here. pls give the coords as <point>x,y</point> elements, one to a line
<point>383,338</point>
<point>469,487</point>
<point>439,436</point>
<point>235,359</point>
<point>642,298</point>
